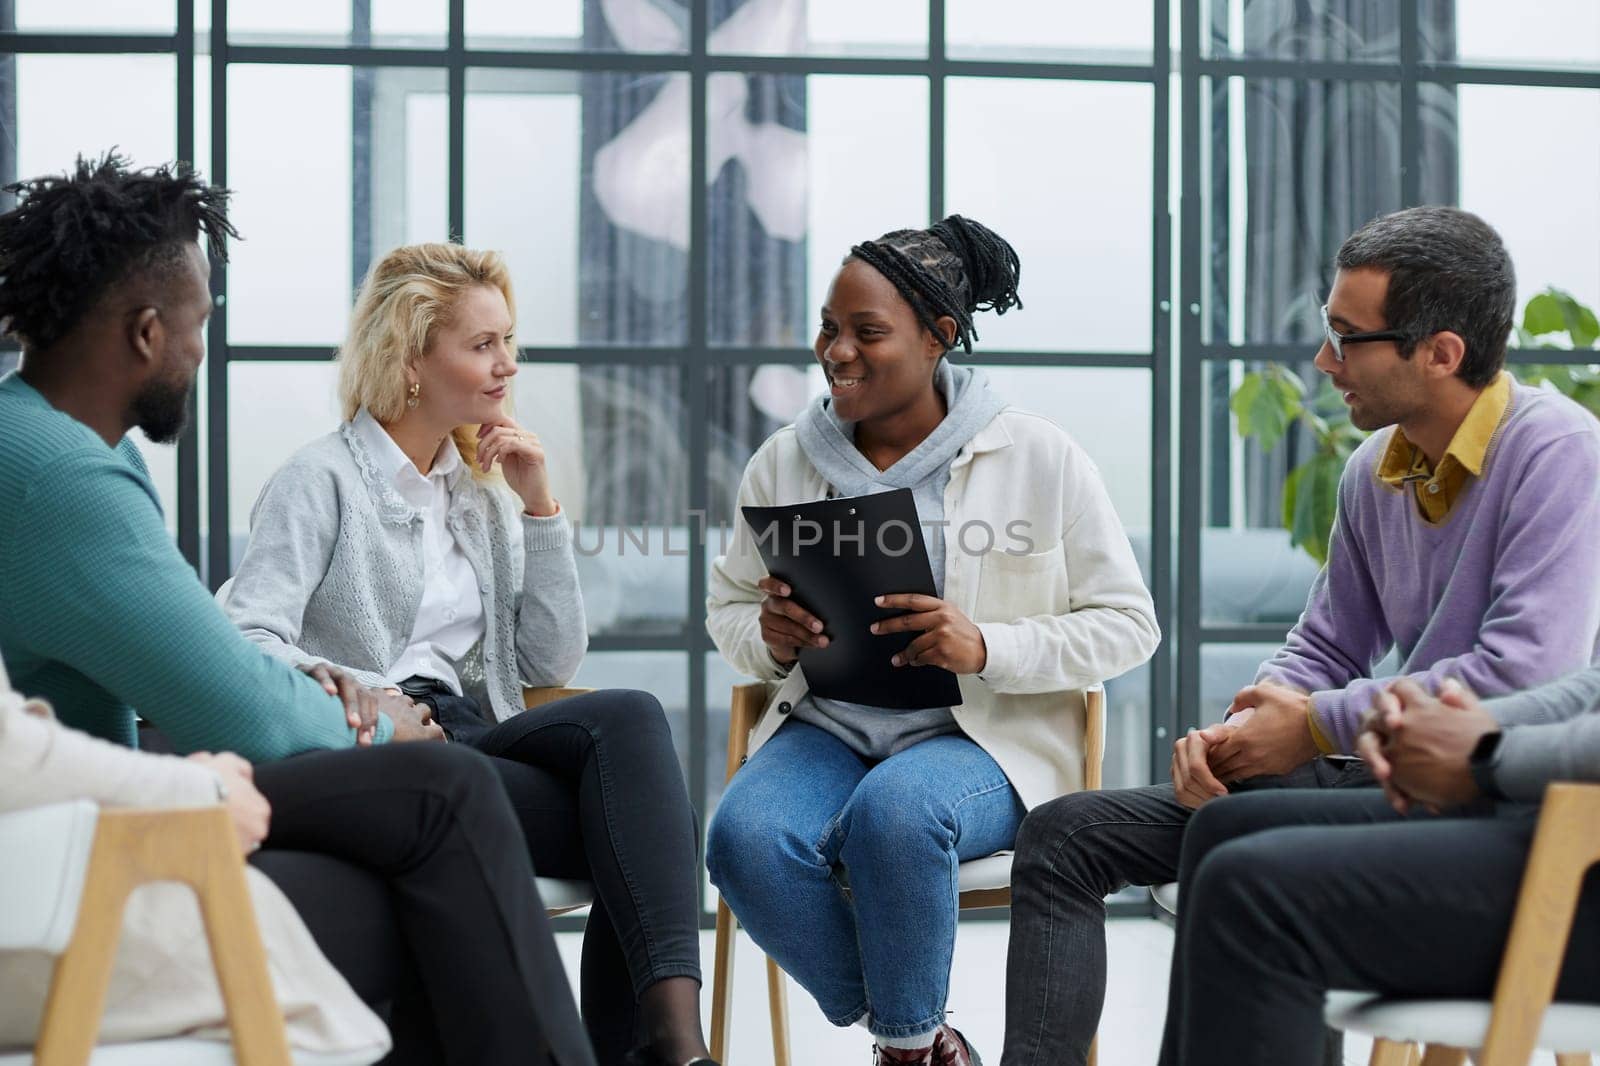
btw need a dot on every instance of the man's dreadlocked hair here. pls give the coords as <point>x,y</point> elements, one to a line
<point>952,268</point>
<point>71,237</point>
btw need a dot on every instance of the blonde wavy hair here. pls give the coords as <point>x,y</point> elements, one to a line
<point>406,297</point>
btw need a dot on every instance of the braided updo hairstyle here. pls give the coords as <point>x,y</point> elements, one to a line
<point>951,269</point>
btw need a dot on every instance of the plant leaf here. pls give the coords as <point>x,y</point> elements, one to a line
<point>1314,503</point>
<point>1580,321</point>
<point>1543,314</point>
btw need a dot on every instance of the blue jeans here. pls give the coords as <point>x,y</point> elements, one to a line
<point>806,816</point>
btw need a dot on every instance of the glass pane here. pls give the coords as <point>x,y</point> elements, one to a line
<point>801,169</point>
<point>1560,33</point>
<point>274,409</point>
<point>96,16</point>
<point>616,440</point>
<point>349,198</point>
<point>389,23</point>
<point>583,180</point>
<point>1107,411</point>
<point>1295,167</point>
<point>1082,31</point>
<point>1224,670</point>
<point>1250,572</point>
<point>1549,216</point>
<point>579,25</point>
<point>62,112</point>
<point>830,27</point>
<point>663,674</point>
<point>1085,272</point>
<point>162,461</point>
<point>1333,32</point>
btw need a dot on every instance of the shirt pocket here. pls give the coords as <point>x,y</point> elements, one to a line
<point>1020,586</point>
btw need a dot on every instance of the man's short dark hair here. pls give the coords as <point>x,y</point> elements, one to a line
<point>72,237</point>
<point>1448,270</point>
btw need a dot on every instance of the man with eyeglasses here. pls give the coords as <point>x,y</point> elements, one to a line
<point>1465,538</point>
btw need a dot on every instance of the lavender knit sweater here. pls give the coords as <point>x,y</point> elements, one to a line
<point>1504,594</point>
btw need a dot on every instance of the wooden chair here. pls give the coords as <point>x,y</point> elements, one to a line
<point>984,882</point>
<point>560,895</point>
<point>82,863</point>
<point>1521,1017</point>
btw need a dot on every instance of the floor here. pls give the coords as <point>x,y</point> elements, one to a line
<point>1130,1035</point>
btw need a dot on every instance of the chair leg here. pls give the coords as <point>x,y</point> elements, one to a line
<point>1572,1058</point>
<point>1440,1055</point>
<point>778,1004</point>
<point>1390,1053</point>
<point>1094,1050</point>
<point>722,981</point>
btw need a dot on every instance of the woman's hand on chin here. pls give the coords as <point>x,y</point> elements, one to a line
<point>522,461</point>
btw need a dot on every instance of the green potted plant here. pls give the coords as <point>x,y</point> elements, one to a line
<point>1270,402</point>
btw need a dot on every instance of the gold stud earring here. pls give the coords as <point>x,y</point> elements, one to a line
<point>414,395</point>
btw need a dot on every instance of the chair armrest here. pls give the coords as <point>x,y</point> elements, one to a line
<point>1565,845</point>
<point>196,847</point>
<point>538,697</point>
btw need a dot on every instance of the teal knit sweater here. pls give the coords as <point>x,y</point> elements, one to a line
<point>101,615</point>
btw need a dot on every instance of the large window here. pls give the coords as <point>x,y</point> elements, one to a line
<point>675,182</point>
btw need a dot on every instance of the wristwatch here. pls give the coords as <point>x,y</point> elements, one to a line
<point>1484,761</point>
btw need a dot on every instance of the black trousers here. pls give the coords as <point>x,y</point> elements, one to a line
<point>1290,894</point>
<point>1071,853</point>
<point>405,862</point>
<point>595,783</point>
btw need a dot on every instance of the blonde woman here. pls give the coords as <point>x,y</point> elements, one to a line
<point>418,547</point>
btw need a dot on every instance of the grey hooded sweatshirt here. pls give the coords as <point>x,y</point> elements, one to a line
<point>879,732</point>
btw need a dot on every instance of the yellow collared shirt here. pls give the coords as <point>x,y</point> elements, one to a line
<point>1438,488</point>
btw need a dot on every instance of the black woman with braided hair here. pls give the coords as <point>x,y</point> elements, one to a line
<point>1038,595</point>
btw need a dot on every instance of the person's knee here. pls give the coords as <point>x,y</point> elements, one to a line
<point>618,713</point>
<point>883,814</point>
<point>1226,819</point>
<point>1054,832</point>
<point>1224,893</point>
<point>1080,844</point>
<point>742,843</point>
<point>463,776</point>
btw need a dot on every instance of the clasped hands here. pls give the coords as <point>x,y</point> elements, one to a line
<point>1418,746</point>
<point>1267,731</point>
<point>947,638</point>
<point>362,705</point>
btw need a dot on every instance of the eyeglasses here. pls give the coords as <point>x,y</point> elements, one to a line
<point>1337,340</point>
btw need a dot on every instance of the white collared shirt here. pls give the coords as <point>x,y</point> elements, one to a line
<point>450,618</point>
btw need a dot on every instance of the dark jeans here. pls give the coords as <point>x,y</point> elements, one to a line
<point>405,863</point>
<point>595,782</point>
<point>1288,895</point>
<point>1071,854</point>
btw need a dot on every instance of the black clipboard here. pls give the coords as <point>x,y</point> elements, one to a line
<point>836,556</point>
